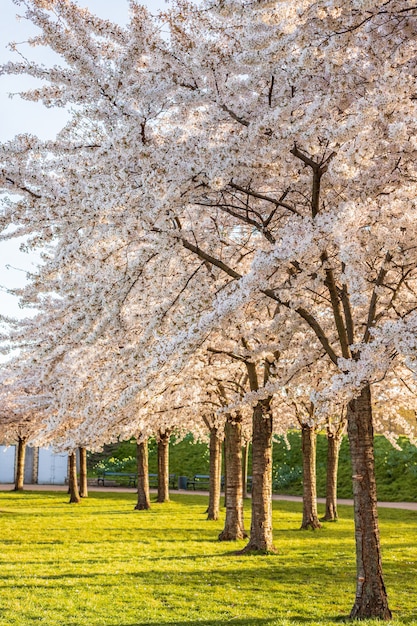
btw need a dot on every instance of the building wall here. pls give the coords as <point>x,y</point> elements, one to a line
<point>52,468</point>
<point>7,464</point>
<point>42,466</point>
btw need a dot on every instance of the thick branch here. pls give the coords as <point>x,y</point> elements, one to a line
<point>337,312</point>
<point>374,297</point>
<point>207,257</point>
<point>348,315</point>
<point>251,369</point>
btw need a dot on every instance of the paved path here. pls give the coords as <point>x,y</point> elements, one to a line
<point>411,506</point>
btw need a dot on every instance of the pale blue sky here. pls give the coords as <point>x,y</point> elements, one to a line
<point>18,116</point>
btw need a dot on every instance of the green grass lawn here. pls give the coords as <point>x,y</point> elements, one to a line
<point>100,563</point>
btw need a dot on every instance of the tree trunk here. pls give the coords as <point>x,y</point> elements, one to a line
<point>144,501</point>
<point>371,598</point>
<point>215,474</point>
<point>163,467</point>
<point>233,527</point>
<point>245,468</point>
<point>83,473</point>
<point>308,440</point>
<point>261,524</point>
<point>334,440</point>
<point>20,465</point>
<point>224,470</point>
<point>72,480</point>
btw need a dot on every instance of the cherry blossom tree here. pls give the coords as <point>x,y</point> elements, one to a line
<point>269,146</point>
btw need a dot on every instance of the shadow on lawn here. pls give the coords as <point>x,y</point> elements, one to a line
<point>246,622</point>
<point>288,621</point>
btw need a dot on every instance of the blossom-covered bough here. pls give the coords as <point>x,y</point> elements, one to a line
<point>262,153</point>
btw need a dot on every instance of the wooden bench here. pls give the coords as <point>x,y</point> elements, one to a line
<point>153,481</point>
<point>199,481</point>
<point>131,478</point>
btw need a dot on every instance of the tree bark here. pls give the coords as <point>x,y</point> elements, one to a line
<point>371,598</point>
<point>20,465</point>
<point>72,480</point>
<point>163,466</point>
<point>308,440</point>
<point>83,473</point>
<point>224,471</point>
<point>233,527</point>
<point>144,501</point>
<point>334,440</point>
<point>245,465</point>
<point>261,538</point>
<point>215,474</point>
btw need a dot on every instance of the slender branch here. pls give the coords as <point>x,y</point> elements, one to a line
<point>271,89</point>
<point>261,196</point>
<point>233,115</point>
<point>232,355</point>
<point>23,188</point>
<point>235,212</point>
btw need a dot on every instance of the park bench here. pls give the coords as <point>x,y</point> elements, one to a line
<point>153,481</point>
<point>124,477</point>
<point>198,481</point>
<point>201,481</point>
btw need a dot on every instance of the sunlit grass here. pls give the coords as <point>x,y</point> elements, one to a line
<point>101,563</point>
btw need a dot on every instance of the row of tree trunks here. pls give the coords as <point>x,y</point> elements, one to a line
<point>143,500</point>
<point>371,599</point>
<point>261,525</point>
<point>77,490</point>
<point>20,470</point>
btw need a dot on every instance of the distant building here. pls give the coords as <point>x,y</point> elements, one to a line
<point>42,466</point>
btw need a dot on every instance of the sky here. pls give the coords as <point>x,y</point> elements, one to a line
<point>18,116</point>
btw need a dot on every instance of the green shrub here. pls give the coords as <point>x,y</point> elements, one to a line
<point>115,464</point>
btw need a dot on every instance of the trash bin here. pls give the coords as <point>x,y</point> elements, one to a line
<point>182,482</point>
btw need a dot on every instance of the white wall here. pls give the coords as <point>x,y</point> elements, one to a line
<point>7,460</point>
<point>52,467</point>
